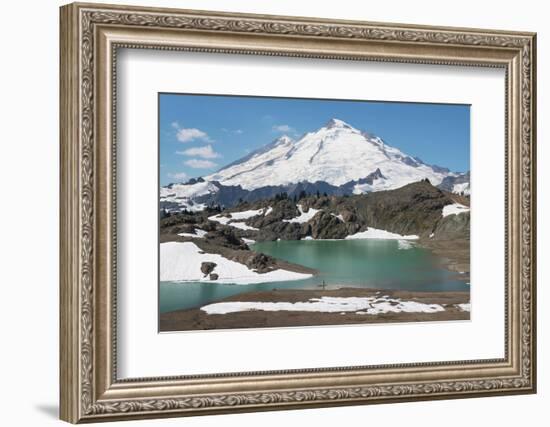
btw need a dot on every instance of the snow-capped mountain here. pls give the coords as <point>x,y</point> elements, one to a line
<point>336,159</point>
<point>185,195</point>
<point>336,154</point>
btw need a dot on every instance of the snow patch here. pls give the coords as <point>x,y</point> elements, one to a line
<point>464,307</point>
<point>198,233</point>
<point>374,233</point>
<point>304,216</point>
<point>242,226</point>
<point>181,261</point>
<point>360,305</point>
<point>268,211</point>
<point>226,220</point>
<point>339,216</point>
<point>454,209</point>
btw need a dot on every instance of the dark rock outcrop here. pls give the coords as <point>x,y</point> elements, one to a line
<point>225,237</point>
<point>453,227</point>
<point>412,209</point>
<point>259,262</point>
<point>208,267</point>
<point>327,226</point>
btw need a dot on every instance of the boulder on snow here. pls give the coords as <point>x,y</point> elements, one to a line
<point>208,267</point>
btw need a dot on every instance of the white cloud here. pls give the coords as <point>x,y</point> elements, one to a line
<point>180,176</point>
<point>205,152</point>
<point>200,164</point>
<point>282,128</point>
<point>238,131</point>
<point>190,134</point>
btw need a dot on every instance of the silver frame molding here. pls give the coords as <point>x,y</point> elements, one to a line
<point>90,37</point>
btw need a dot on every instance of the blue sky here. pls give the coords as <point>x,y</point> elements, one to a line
<point>201,133</point>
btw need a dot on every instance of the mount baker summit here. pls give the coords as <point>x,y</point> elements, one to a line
<point>336,159</point>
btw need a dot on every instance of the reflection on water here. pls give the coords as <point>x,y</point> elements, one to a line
<point>341,263</point>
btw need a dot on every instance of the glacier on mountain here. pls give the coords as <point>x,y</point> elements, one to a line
<point>337,153</point>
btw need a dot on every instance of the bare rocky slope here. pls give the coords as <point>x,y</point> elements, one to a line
<point>415,209</point>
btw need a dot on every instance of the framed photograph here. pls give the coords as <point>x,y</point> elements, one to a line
<point>266,212</point>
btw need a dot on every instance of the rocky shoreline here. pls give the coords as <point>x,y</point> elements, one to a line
<point>199,319</point>
<point>454,254</point>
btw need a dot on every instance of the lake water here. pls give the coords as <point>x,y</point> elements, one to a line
<point>341,263</point>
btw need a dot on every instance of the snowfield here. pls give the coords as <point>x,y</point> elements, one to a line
<point>374,233</point>
<point>454,209</point>
<point>360,305</point>
<point>304,216</point>
<point>181,261</point>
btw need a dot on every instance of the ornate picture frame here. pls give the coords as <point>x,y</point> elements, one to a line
<point>90,37</point>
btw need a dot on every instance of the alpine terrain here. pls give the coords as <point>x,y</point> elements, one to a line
<point>336,159</point>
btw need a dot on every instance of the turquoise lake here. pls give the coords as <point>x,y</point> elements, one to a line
<point>365,263</point>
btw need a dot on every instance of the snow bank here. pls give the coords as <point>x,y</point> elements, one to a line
<point>374,233</point>
<point>268,211</point>
<point>181,261</point>
<point>198,233</point>
<point>304,216</point>
<point>359,305</point>
<point>454,209</point>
